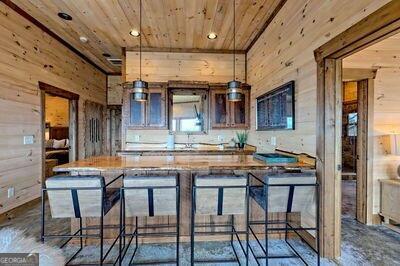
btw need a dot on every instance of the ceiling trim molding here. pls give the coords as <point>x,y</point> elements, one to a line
<point>266,24</point>
<point>184,50</point>
<point>34,21</point>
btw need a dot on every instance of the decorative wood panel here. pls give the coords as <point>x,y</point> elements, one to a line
<point>28,56</point>
<point>93,129</point>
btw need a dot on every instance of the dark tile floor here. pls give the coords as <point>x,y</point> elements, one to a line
<point>361,244</point>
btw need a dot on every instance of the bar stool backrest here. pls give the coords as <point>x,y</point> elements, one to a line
<point>302,199</point>
<point>221,200</point>
<point>74,202</point>
<point>142,198</point>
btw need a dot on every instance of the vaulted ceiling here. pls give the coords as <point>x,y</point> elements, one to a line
<point>168,24</point>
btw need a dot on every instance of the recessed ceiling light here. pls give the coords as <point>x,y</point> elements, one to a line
<point>212,36</point>
<point>106,55</point>
<point>64,16</point>
<point>83,39</point>
<point>134,33</point>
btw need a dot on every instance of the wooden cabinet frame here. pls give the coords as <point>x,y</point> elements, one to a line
<point>230,108</point>
<point>145,123</point>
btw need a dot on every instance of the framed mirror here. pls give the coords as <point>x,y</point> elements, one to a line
<point>188,111</point>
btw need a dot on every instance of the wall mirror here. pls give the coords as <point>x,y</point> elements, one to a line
<point>188,111</point>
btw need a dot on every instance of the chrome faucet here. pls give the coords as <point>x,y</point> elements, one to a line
<point>188,144</point>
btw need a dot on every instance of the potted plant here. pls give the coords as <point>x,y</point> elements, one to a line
<point>242,138</point>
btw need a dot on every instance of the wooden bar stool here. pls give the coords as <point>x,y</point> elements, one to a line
<point>294,196</point>
<point>80,197</point>
<point>149,196</point>
<point>220,195</point>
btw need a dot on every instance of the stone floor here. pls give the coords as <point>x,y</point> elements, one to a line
<point>361,245</point>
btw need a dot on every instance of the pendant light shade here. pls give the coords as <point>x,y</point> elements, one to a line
<point>234,91</point>
<point>140,88</point>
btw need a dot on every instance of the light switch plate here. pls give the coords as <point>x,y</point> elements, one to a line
<point>10,192</point>
<point>29,139</point>
<point>273,141</point>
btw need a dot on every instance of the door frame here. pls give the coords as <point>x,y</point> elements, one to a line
<point>73,119</point>
<point>377,26</point>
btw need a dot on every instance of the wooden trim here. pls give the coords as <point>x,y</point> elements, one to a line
<point>183,50</point>
<point>381,24</point>
<point>73,119</point>
<point>377,26</point>
<point>266,24</point>
<point>52,90</point>
<point>73,129</point>
<point>176,84</point>
<point>355,74</point>
<point>43,134</point>
<point>38,24</point>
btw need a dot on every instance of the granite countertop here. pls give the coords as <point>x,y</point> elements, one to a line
<point>176,162</point>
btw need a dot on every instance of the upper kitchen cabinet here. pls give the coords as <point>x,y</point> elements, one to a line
<point>149,114</point>
<point>226,114</point>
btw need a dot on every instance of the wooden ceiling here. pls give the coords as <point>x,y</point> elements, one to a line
<point>166,24</point>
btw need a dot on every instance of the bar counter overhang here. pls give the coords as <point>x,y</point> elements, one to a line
<point>185,165</point>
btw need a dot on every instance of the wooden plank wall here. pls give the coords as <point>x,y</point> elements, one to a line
<point>284,52</point>
<point>164,66</point>
<point>28,55</point>
<point>384,56</point>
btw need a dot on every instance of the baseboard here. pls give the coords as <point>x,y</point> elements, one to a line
<point>18,210</point>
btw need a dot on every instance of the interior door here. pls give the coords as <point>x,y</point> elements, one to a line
<point>93,129</point>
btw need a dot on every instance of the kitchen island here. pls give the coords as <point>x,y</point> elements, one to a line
<point>186,166</point>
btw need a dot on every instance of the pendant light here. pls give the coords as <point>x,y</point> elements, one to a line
<point>140,87</point>
<point>234,87</point>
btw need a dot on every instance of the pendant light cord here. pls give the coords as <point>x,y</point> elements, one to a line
<point>140,41</point>
<point>234,40</point>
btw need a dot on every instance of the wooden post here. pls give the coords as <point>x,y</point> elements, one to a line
<point>329,111</point>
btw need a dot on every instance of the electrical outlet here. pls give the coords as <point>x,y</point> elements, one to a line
<point>29,139</point>
<point>221,138</point>
<point>273,141</point>
<point>137,138</point>
<point>10,192</point>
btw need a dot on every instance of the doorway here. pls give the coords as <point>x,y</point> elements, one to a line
<point>380,25</point>
<point>357,144</point>
<point>59,127</point>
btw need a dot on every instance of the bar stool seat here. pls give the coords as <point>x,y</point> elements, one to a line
<point>149,196</point>
<point>80,197</point>
<point>296,196</point>
<point>111,195</point>
<point>222,195</point>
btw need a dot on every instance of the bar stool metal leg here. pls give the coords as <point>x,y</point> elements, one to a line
<point>141,191</point>
<point>235,187</point>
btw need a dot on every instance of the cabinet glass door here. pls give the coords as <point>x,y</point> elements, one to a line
<point>240,111</point>
<point>219,104</point>
<point>156,108</point>
<point>136,112</point>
